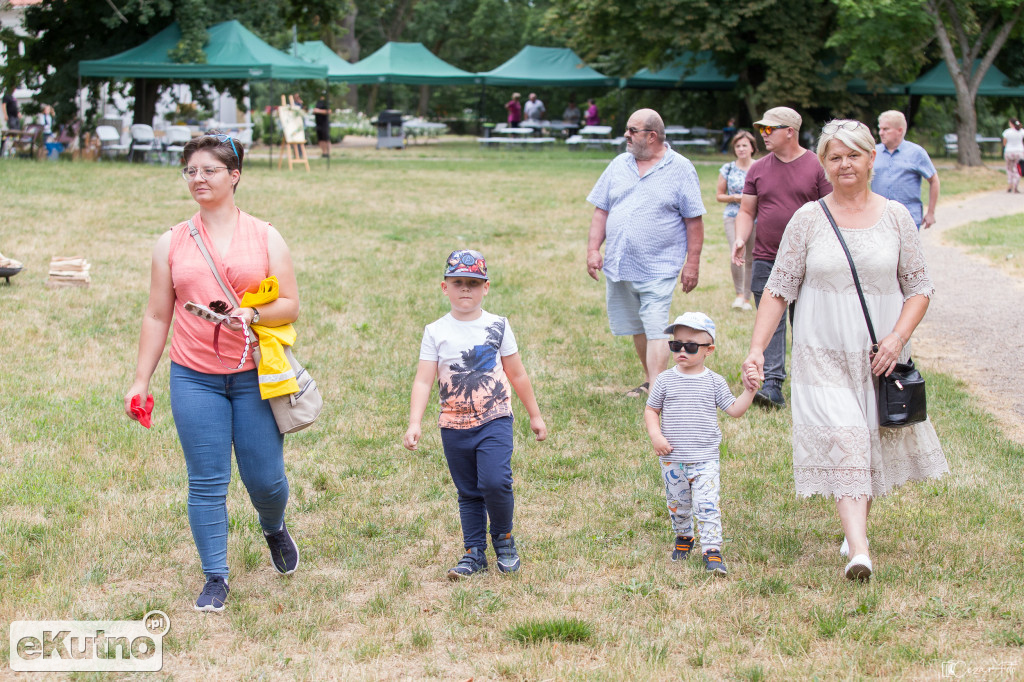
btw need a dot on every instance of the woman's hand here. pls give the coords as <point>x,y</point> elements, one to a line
<point>752,370</point>
<point>140,389</point>
<point>246,315</point>
<point>884,361</point>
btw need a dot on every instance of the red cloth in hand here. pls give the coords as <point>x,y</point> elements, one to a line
<point>143,414</point>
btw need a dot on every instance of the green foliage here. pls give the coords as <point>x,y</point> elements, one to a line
<point>774,46</point>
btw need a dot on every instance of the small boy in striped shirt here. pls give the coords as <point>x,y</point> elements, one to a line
<point>682,421</point>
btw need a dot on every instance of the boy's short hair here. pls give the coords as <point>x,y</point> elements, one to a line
<point>697,321</point>
<point>466,263</point>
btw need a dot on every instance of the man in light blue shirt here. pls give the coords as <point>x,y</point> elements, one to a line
<point>899,167</point>
<point>648,212</point>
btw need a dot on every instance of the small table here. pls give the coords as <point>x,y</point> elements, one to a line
<point>514,131</point>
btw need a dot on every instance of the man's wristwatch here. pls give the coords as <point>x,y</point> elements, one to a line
<point>255,316</point>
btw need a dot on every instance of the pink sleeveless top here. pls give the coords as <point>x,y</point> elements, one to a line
<point>245,266</point>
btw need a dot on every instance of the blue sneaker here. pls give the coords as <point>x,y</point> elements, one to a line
<point>683,547</point>
<point>505,549</point>
<point>214,596</point>
<point>284,553</point>
<point>473,561</point>
<point>713,562</point>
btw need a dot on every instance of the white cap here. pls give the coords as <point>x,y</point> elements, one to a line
<point>698,321</point>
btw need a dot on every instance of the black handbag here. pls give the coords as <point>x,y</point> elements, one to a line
<point>901,395</point>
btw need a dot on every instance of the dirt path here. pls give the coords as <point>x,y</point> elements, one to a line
<point>975,324</point>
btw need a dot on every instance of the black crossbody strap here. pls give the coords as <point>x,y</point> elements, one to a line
<point>853,269</point>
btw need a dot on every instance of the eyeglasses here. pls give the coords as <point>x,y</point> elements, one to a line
<point>834,126</point>
<point>690,347</point>
<point>633,131</point>
<point>206,172</point>
<point>768,130</point>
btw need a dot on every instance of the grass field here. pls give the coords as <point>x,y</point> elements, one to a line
<point>1000,240</point>
<point>93,521</point>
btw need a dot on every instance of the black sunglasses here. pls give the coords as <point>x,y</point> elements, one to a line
<point>690,347</point>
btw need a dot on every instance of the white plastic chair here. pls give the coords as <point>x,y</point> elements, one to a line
<point>110,141</point>
<point>143,140</point>
<point>177,137</point>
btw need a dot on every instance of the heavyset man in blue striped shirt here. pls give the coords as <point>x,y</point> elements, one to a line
<point>648,213</point>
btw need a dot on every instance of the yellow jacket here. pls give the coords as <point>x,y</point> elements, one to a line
<point>276,374</point>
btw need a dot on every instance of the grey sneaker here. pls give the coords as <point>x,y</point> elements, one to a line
<point>770,395</point>
<point>473,561</point>
<point>505,549</point>
<point>284,553</point>
<point>214,596</point>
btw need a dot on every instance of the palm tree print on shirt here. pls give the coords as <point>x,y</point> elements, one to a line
<point>476,385</point>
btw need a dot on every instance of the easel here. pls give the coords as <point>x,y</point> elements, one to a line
<point>293,146</point>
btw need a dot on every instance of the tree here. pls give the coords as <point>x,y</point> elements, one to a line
<point>776,47</point>
<point>61,33</point>
<point>888,38</point>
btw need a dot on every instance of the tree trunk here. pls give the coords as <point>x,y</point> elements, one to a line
<point>145,91</point>
<point>371,101</point>
<point>421,110</point>
<point>968,153</point>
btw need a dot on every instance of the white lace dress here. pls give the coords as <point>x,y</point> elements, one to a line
<point>838,448</point>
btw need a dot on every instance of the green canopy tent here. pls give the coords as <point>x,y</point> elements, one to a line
<point>232,52</point>
<point>938,81</point>
<point>690,71</point>
<point>546,66</point>
<point>408,63</point>
<point>317,52</point>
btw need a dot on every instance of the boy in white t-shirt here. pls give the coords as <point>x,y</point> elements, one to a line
<point>686,437</point>
<point>473,355</point>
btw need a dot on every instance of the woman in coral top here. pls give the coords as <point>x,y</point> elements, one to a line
<point>214,405</point>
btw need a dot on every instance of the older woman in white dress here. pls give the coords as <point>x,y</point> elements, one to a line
<point>839,450</point>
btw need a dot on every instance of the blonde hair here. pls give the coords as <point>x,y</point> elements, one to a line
<point>853,134</point>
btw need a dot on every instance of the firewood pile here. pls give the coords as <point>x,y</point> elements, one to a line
<point>68,272</point>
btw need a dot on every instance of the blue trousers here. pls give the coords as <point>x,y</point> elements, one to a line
<point>212,412</point>
<point>775,353</point>
<point>480,462</point>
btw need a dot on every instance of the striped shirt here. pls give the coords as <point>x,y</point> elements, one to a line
<point>689,415</point>
<point>645,236</point>
<point>898,175</point>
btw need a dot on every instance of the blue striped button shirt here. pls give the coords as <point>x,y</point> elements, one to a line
<point>645,237</point>
<point>898,175</point>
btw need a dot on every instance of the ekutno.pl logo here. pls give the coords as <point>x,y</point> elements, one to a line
<point>88,645</point>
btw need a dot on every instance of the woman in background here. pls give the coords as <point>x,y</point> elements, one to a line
<point>515,110</point>
<point>1013,151</point>
<point>730,191</point>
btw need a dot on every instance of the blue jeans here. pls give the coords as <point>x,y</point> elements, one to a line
<point>480,462</point>
<point>775,353</point>
<point>212,411</point>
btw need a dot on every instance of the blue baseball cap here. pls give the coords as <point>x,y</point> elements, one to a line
<point>466,263</point>
<point>698,321</point>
